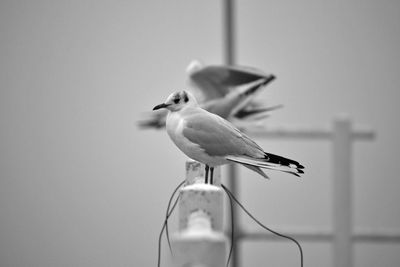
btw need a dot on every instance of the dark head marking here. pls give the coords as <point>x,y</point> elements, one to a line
<point>176,98</point>
<point>185,97</point>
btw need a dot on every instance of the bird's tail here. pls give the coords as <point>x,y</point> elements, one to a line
<point>272,162</point>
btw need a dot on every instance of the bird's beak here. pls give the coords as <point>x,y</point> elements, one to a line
<point>163,105</point>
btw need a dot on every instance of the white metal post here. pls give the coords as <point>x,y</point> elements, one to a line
<point>342,192</point>
<point>200,240</point>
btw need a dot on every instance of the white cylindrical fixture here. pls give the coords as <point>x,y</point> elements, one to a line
<point>205,197</point>
<point>199,244</point>
<point>200,240</point>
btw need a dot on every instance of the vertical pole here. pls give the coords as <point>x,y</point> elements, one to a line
<point>229,32</point>
<point>232,178</point>
<point>342,192</point>
<point>229,59</point>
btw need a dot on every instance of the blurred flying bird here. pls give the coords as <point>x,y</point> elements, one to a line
<point>213,141</point>
<point>227,91</point>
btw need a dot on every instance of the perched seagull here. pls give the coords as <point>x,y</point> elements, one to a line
<point>227,91</point>
<point>213,141</point>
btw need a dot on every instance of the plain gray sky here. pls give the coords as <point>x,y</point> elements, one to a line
<point>80,185</point>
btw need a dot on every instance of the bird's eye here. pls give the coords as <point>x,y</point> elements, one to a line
<point>176,100</point>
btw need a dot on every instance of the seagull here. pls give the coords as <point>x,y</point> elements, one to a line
<point>227,91</point>
<point>216,81</point>
<point>213,141</point>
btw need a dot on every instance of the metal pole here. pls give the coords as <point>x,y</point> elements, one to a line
<point>229,59</point>
<point>229,32</point>
<point>342,193</point>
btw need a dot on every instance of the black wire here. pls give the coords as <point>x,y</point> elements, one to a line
<point>165,224</point>
<point>167,214</point>
<point>265,227</point>
<point>232,227</point>
<point>162,231</point>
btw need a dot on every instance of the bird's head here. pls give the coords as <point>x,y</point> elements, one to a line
<point>178,100</point>
<point>193,67</point>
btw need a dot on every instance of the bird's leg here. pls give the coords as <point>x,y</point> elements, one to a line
<point>211,175</point>
<point>206,177</point>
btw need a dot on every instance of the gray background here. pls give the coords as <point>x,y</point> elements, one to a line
<point>80,185</point>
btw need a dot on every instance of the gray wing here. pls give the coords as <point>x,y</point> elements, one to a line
<point>216,81</point>
<point>239,102</point>
<point>218,137</point>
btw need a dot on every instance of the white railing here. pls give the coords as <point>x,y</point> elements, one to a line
<point>342,135</point>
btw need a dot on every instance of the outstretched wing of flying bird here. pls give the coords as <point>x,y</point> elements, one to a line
<point>228,91</point>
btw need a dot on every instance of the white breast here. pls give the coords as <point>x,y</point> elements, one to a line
<point>175,124</point>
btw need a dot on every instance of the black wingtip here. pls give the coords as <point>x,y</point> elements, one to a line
<point>281,160</point>
<point>269,79</point>
<point>284,161</point>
